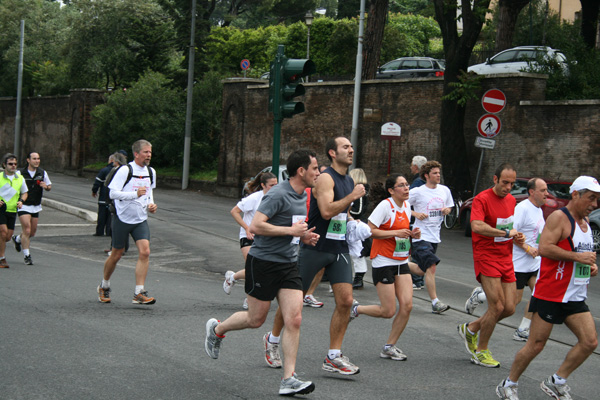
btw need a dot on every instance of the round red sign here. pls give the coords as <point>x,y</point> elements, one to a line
<point>493,101</point>
<point>489,125</point>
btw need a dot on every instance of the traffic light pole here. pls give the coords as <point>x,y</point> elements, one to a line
<point>277,114</point>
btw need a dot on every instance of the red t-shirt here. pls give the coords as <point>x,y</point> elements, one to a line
<point>497,212</point>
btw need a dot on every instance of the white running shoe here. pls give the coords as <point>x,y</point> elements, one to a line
<point>473,301</point>
<point>309,300</point>
<point>272,356</point>
<point>245,304</point>
<point>229,282</point>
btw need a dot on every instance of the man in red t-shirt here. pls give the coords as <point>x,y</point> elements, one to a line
<point>492,215</point>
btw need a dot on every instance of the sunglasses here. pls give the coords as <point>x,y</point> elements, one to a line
<point>11,163</point>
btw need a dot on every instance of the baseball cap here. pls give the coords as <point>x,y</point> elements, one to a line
<point>585,182</point>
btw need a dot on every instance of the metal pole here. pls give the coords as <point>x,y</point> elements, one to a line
<point>17,147</point>
<point>358,73</point>
<point>187,143</point>
<point>478,172</point>
<point>277,117</point>
<point>307,49</point>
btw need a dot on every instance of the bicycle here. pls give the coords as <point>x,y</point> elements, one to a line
<point>452,218</point>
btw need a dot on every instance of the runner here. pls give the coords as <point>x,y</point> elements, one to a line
<point>13,193</point>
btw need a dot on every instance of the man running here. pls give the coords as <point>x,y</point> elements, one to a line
<point>431,202</point>
<point>271,270</point>
<point>492,216</point>
<point>37,181</point>
<point>568,262</point>
<point>13,192</point>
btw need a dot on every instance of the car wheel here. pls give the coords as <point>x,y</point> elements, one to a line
<point>596,237</point>
<point>467,223</point>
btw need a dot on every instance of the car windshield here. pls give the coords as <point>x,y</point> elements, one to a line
<point>559,190</point>
<point>507,56</point>
<point>391,66</point>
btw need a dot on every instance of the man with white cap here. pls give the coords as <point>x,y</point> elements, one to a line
<point>568,262</point>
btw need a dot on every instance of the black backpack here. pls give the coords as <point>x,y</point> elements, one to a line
<point>110,202</point>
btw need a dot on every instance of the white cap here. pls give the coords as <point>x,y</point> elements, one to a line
<point>585,182</point>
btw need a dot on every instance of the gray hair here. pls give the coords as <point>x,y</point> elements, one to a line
<point>119,158</point>
<point>418,161</point>
<point>138,145</point>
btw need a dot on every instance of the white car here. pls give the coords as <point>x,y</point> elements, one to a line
<point>283,176</point>
<point>519,59</point>
<point>595,224</point>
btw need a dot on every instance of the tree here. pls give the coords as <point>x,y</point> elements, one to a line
<point>457,50</point>
<point>589,21</point>
<point>506,14</point>
<point>374,37</point>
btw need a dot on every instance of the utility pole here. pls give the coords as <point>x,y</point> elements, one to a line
<point>17,147</point>
<point>187,144</point>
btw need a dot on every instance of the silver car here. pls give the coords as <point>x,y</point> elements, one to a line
<point>411,67</point>
<point>519,59</point>
<point>595,224</point>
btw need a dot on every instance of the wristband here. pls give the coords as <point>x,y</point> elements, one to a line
<point>528,247</point>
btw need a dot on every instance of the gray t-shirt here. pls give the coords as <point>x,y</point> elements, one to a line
<point>283,206</point>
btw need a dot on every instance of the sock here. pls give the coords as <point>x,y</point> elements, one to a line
<point>2,258</point>
<point>558,380</point>
<point>25,252</point>
<point>468,330</point>
<point>525,324</point>
<point>387,346</point>
<point>509,383</point>
<point>105,284</point>
<point>138,289</point>
<point>435,301</point>
<point>273,339</point>
<point>18,239</point>
<point>334,353</point>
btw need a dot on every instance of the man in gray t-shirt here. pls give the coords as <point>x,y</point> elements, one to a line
<point>278,225</point>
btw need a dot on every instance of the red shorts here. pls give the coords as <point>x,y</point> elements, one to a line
<point>494,269</point>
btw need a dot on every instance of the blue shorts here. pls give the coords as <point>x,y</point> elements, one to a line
<point>423,254</point>
<point>121,231</point>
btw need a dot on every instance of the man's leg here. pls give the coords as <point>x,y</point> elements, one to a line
<point>538,336</point>
<point>342,293</point>
<point>582,325</point>
<point>111,262</point>
<point>3,233</point>
<point>141,267</point>
<point>25,220</point>
<point>251,319</point>
<point>430,282</point>
<point>290,304</point>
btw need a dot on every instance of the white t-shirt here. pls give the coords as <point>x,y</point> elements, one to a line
<point>381,215</point>
<point>529,220</point>
<point>38,208</point>
<point>132,209</point>
<point>431,202</point>
<point>249,205</point>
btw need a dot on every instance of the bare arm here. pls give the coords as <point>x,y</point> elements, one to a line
<point>236,213</point>
<point>323,192</point>
<point>558,227</point>
<point>261,226</point>
<point>377,233</point>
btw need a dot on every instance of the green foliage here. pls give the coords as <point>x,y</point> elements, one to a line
<point>465,89</point>
<point>206,122</point>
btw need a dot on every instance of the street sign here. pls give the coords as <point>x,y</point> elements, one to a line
<point>390,131</point>
<point>489,125</point>
<point>493,101</point>
<point>245,64</point>
<point>483,143</point>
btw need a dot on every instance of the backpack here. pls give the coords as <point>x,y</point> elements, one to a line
<point>110,202</point>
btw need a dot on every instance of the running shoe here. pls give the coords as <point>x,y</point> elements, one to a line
<point>229,282</point>
<point>508,392</point>
<point>556,391</point>
<point>27,260</point>
<point>272,356</point>
<point>17,244</point>
<point>473,301</point>
<point>439,308</point>
<point>212,342</point>
<point>485,359</point>
<point>103,295</point>
<point>309,300</point>
<point>417,287</point>
<point>354,310</point>
<point>393,352</point>
<point>3,263</point>
<point>521,335</point>
<point>245,304</point>
<point>293,385</point>
<point>143,298</point>
<point>340,364</point>
<point>469,338</point>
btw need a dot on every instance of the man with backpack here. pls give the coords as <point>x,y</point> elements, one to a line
<point>100,190</point>
<point>131,190</point>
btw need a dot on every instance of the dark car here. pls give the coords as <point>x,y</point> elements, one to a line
<point>595,224</point>
<point>558,196</point>
<point>411,67</point>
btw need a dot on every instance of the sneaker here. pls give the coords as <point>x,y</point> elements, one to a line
<point>417,287</point>
<point>470,339</point>
<point>556,391</point>
<point>485,359</point>
<point>354,310</point>
<point>3,263</point>
<point>357,283</point>
<point>309,300</point>
<point>17,244</point>
<point>507,393</point>
<point>340,364</point>
<point>521,335</point>
<point>27,260</point>
<point>473,301</point>
<point>229,282</point>
<point>143,298</point>
<point>393,352</point>
<point>212,342</point>
<point>293,385</point>
<point>439,308</point>
<point>103,295</point>
<point>245,304</point>
<point>272,356</point>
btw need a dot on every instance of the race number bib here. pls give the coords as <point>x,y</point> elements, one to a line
<point>504,223</point>
<point>296,219</point>
<point>582,274</point>
<point>402,249</point>
<point>337,227</point>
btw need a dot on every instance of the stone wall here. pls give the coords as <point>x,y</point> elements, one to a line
<point>556,140</point>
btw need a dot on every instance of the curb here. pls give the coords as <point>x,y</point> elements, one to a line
<point>79,212</point>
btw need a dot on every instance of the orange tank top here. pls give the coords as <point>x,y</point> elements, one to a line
<point>394,247</point>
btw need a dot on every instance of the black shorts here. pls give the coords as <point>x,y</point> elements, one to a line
<point>523,278</point>
<point>8,219</point>
<point>265,278</point>
<point>387,274</point>
<point>245,242</point>
<point>121,232</point>
<point>33,215</point>
<point>423,253</point>
<point>554,312</point>
<point>337,266</point>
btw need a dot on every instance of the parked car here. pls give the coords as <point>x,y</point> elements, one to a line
<point>519,59</point>
<point>558,196</point>
<point>411,67</point>
<point>595,224</point>
<point>283,176</point>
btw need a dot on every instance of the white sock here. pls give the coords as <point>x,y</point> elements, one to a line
<point>525,324</point>
<point>509,383</point>
<point>18,239</point>
<point>2,258</point>
<point>334,353</point>
<point>472,333</point>
<point>138,289</point>
<point>273,339</point>
<point>558,380</point>
<point>25,252</point>
<point>105,284</point>
<point>435,301</point>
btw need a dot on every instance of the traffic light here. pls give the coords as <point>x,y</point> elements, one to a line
<point>292,71</point>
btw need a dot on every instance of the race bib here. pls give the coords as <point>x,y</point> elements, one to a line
<point>402,249</point>
<point>582,274</point>
<point>337,227</point>
<point>504,223</point>
<point>296,219</point>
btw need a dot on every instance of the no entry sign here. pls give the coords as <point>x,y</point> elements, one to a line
<point>493,101</point>
<point>489,125</point>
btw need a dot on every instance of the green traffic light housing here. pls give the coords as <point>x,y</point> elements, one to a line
<point>293,70</point>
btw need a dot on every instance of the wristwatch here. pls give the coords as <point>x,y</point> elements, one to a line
<point>506,233</point>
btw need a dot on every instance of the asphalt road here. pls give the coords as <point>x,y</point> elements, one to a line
<point>58,342</point>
